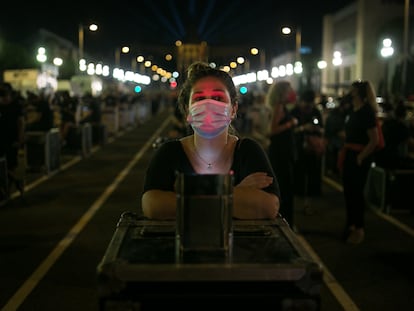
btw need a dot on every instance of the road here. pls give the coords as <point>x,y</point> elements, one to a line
<point>53,237</point>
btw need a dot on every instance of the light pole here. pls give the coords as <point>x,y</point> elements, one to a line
<point>81,38</point>
<point>337,61</point>
<point>262,56</point>
<point>406,45</point>
<point>386,52</point>
<point>298,39</point>
<point>124,50</point>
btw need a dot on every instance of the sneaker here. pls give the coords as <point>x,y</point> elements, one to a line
<point>356,236</point>
<point>347,231</point>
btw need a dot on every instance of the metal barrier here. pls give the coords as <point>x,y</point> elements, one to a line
<point>99,134</point>
<point>79,139</point>
<point>110,118</point>
<point>389,189</point>
<point>43,150</point>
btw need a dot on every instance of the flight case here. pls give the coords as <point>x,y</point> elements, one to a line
<point>267,266</point>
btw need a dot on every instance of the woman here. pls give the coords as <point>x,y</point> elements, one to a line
<point>282,151</point>
<point>361,139</point>
<point>208,99</point>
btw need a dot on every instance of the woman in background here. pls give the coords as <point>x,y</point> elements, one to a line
<point>282,150</point>
<point>361,139</point>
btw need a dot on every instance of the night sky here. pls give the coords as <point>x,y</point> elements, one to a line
<point>161,22</point>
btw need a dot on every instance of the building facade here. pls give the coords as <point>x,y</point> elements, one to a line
<point>355,35</point>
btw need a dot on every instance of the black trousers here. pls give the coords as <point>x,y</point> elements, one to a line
<point>354,177</point>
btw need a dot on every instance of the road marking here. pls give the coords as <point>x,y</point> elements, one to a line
<point>21,294</point>
<point>395,222</point>
<point>392,220</point>
<point>336,289</point>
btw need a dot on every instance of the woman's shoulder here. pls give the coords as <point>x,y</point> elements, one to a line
<point>247,143</point>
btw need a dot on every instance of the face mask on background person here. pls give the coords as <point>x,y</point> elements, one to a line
<point>291,97</point>
<point>291,100</point>
<point>209,117</point>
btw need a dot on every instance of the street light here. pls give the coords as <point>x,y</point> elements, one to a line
<point>124,50</point>
<point>81,37</point>
<point>262,55</point>
<point>41,55</point>
<point>386,52</point>
<point>298,39</point>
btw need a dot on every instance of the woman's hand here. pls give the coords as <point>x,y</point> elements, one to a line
<point>257,180</point>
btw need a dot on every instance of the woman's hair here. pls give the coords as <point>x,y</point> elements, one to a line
<point>200,70</point>
<point>277,92</point>
<point>366,93</point>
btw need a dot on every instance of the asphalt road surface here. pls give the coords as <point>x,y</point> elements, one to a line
<point>53,237</point>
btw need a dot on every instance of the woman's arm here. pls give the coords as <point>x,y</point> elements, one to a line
<point>278,114</point>
<point>158,198</point>
<point>251,203</point>
<point>370,147</point>
<point>159,204</point>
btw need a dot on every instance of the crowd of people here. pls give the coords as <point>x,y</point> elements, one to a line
<point>294,136</point>
<point>37,112</point>
<point>277,144</point>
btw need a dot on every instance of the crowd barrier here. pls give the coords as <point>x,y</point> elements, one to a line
<point>110,118</point>
<point>124,116</point>
<point>389,189</point>
<point>43,150</point>
<point>79,139</point>
<point>99,134</point>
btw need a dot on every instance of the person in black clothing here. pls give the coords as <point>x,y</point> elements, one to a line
<point>208,99</point>
<point>398,141</point>
<point>334,132</point>
<point>44,120</point>
<point>282,148</point>
<point>308,166</point>
<point>11,132</point>
<point>94,111</point>
<point>361,140</point>
<point>68,106</point>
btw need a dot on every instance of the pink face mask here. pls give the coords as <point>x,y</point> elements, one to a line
<point>291,97</point>
<point>209,117</point>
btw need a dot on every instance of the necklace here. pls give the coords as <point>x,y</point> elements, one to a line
<point>209,164</point>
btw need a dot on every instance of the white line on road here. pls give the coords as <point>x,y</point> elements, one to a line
<point>21,294</point>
